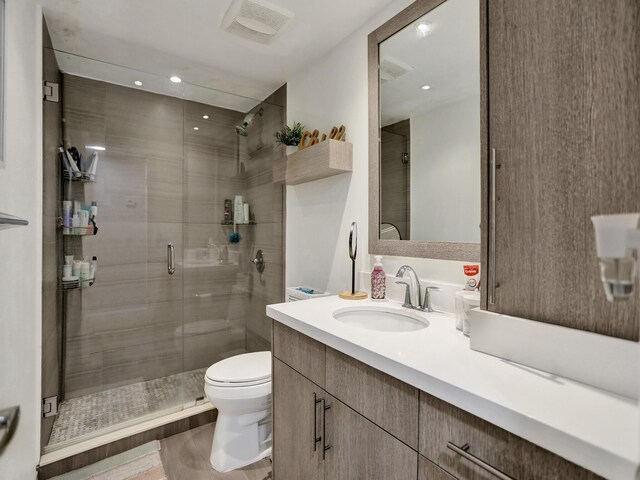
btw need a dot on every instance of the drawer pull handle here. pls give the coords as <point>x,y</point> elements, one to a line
<point>316,438</point>
<point>464,452</point>
<point>325,447</point>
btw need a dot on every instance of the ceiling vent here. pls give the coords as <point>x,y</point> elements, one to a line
<point>255,20</point>
<point>392,68</point>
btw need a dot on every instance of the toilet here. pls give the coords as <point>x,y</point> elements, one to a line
<point>240,388</point>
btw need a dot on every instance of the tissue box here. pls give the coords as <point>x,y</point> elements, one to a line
<point>301,293</point>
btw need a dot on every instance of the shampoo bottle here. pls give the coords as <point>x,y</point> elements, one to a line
<point>378,280</point>
<point>238,209</point>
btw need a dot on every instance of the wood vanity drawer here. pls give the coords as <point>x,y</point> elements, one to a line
<point>427,470</point>
<point>385,400</point>
<point>300,352</point>
<point>442,423</point>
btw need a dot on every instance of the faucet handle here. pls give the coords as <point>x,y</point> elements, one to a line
<point>426,300</point>
<point>407,294</point>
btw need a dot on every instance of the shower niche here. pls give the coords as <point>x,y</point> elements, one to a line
<point>134,347</point>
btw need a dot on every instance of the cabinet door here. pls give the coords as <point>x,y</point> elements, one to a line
<point>564,116</point>
<point>383,399</point>
<point>296,425</point>
<point>360,450</point>
<point>430,471</point>
<point>300,352</point>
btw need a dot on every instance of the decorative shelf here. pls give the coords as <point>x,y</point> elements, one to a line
<point>78,231</point>
<point>77,284</point>
<point>230,224</point>
<point>322,160</point>
<point>78,176</point>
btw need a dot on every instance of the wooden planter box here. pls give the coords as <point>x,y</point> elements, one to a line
<point>325,159</point>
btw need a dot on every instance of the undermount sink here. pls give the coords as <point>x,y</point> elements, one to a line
<point>381,319</point>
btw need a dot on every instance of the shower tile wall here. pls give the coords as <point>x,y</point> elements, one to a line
<point>160,181</point>
<point>265,190</point>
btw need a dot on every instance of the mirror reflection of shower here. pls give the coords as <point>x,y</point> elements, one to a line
<point>247,122</point>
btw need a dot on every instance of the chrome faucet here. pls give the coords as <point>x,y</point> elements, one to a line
<point>413,294</point>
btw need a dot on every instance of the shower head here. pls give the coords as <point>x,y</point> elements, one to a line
<point>243,129</point>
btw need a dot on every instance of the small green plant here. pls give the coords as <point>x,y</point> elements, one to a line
<point>290,135</point>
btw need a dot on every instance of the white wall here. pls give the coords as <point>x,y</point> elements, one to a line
<point>21,248</point>
<point>334,91</point>
<point>445,173</point>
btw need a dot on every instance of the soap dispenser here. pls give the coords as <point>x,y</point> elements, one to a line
<point>378,280</point>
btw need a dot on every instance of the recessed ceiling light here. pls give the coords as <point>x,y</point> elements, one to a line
<point>196,128</point>
<point>175,79</point>
<point>425,87</point>
<point>95,147</point>
<point>424,28</point>
<point>206,117</point>
<point>138,83</point>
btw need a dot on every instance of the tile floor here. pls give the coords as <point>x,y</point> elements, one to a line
<point>87,415</point>
<point>186,457</point>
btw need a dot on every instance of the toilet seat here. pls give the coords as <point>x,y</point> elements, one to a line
<point>243,370</point>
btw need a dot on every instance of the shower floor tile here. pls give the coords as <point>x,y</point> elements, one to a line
<point>89,414</point>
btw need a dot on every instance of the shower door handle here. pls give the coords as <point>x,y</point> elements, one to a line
<point>171,262</point>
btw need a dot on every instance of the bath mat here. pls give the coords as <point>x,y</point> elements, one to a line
<point>141,463</point>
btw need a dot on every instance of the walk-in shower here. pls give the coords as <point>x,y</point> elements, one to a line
<point>135,344</point>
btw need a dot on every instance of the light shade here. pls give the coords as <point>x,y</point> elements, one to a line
<point>175,79</point>
<point>424,28</point>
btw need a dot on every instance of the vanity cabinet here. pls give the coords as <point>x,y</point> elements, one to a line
<point>317,436</point>
<point>365,424</point>
<point>296,425</point>
<point>448,433</point>
<point>563,116</point>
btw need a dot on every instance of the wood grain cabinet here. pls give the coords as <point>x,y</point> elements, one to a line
<point>563,122</point>
<point>469,448</point>
<point>319,436</point>
<point>302,353</point>
<point>296,425</point>
<point>386,401</point>
<point>365,424</point>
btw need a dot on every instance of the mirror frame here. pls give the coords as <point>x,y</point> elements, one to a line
<point>417,248</point>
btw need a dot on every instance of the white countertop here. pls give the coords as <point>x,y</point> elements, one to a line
<point>593,428</point>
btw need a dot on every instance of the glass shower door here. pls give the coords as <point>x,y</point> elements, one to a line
<point>122,342</point>
<point>229,153</point>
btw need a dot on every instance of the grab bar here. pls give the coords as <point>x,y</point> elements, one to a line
<point>171,263</point>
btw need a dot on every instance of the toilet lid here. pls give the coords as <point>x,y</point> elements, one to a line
<point>242,369</point>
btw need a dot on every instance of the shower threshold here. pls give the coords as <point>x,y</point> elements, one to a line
<point>98,414</point>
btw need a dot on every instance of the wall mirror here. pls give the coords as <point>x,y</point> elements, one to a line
<point>425,121</point>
